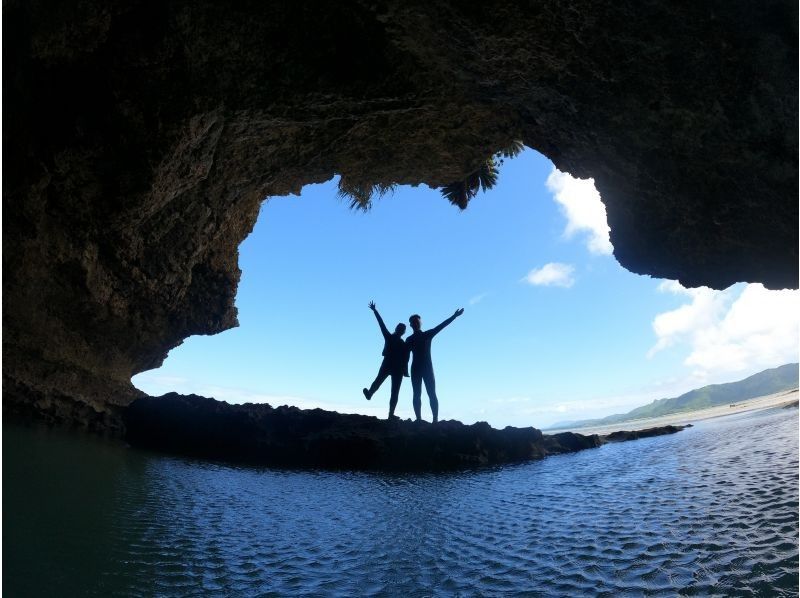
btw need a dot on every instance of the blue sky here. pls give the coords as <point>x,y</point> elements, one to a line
<point>554,328</point>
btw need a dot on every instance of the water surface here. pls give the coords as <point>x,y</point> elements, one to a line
<point>712,510</point>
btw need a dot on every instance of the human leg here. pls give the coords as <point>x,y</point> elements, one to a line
<point>430,388</point>
<point>383,373</point>
<point>397,380</point>
<point>416,387</point>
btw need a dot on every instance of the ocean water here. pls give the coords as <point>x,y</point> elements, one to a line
<point>712,510</point>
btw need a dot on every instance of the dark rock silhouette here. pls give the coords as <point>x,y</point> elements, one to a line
<point>140,139</point>
<point>570,442</point>
<point>636,434</point>
<point>290,437</point>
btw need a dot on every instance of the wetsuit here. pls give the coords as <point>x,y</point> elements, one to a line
<point>419,344</point>
<point>395,363</point>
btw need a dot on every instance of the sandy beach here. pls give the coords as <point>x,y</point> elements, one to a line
<point>677,419</point>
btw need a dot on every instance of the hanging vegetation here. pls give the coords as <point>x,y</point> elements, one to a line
<point>485,177</point>
<point>360,194</point>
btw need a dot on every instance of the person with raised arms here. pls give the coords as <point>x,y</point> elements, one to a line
<point>419,343</point>
<point>395,361</point>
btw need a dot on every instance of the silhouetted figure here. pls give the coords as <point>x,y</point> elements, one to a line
<point>395,361</point>
<point>419,343</point>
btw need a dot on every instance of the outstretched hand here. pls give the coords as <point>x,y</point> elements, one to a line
<point>372,306</point>
<point>459,311</point>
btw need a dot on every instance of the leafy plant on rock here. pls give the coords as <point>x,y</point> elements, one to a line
<point>484,177</point>
<point>360,194</point>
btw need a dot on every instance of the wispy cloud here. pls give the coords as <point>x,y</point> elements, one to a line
<point>521,411</point>
<point>478,298</point>
<point>553,274</point>
<point>581,204</point>
<point>730,331</point>
<point>511,400</point>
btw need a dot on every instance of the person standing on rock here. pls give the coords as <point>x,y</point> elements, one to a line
<point>419,343</point>
<point>395,361</point>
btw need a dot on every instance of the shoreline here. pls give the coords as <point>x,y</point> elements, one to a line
<point>776,400</point>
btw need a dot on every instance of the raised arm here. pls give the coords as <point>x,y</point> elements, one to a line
<point>374,309</point>
<point>438,329</point>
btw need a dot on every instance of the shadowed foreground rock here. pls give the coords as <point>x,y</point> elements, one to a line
<point>291,437</point>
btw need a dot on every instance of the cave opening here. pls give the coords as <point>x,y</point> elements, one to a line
<point>554,327</point>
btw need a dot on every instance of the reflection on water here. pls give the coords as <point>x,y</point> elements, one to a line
<point>711,510</point>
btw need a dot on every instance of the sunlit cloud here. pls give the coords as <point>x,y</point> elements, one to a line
<point>553,274</point>
<point>585,212</point>
<point>730,331</point>
<point>706,307</point>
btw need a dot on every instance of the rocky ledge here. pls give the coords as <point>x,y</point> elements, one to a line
<point>290,437</point>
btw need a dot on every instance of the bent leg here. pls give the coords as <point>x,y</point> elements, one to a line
<point>430,388</point>
<point>416,387</point>
<point>383,373</point>
<point>397,380</point>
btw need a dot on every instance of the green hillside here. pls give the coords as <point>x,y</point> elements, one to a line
<point>767,382</point>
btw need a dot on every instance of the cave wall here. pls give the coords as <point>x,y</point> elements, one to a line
<point>141,138</point>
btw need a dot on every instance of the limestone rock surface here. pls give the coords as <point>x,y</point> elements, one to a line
<point>140,139</point>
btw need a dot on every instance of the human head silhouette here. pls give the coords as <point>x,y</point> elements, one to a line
<point>400,329</point>
<point>416,322</point>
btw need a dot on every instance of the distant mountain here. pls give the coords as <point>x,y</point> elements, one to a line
<point>767,382</point>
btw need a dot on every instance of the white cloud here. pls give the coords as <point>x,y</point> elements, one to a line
<point>730,331</point>
<point>553,274</point>
<point>583,409</point>
<point>528,411</point>
<point>680,325</point>
<point>478,298</point>
<point>580,202</point>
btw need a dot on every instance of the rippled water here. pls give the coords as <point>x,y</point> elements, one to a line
<point>712,510</point>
